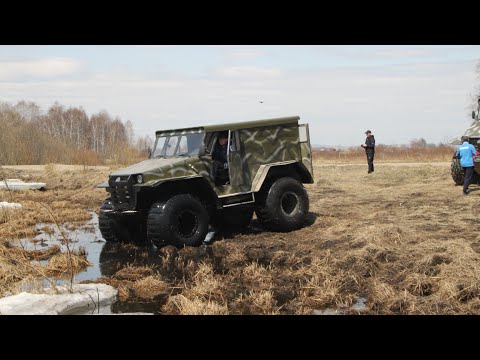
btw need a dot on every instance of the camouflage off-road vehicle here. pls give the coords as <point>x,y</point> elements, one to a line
<point>174,196</point>
<point>473,132</point>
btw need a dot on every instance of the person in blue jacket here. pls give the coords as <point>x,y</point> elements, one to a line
<point>466,153</point>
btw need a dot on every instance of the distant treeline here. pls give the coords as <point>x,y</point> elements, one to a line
<point>66,135</point>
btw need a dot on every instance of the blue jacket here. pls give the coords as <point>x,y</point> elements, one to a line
<point>467,152</point>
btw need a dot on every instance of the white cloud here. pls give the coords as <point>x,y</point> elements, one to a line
<point>398,102</point>
<point>23,70</point>
<point>249,71</point>
<point>402,53</point>
<point>248,54</point>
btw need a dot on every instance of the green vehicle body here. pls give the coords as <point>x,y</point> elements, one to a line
<point>259,152</point>
<point>473,132</point>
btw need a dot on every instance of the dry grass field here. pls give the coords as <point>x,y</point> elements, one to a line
<point>403,240</point>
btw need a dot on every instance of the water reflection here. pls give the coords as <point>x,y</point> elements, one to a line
<point>108,258</point>
<point>114,256</point>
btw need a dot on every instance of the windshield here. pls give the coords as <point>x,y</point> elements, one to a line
<point>178,145</point>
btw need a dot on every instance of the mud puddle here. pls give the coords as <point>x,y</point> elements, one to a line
<point>86,236</point>
<point>126,266</point>
<point>106,259</point>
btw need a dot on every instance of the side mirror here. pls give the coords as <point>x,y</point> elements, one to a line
<point>202,151</point>
<point>149,153</point>
<point>473,114</point>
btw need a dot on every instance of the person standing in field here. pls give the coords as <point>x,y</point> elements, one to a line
<point>369,147</point>
<point>466,153</point>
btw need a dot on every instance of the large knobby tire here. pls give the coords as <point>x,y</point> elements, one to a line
<point>116,229</point>
<point>106,225</point>
<point>235,218</point>
<point>457,172</point>
<point>284,207</point>
<point>180,221</point>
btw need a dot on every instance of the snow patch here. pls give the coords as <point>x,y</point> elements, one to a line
<point>85,299</point>
<point>19,185</point>
<point>4,204</point>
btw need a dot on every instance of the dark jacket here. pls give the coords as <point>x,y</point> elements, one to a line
<point>220,164</point>
<point>220,153</point>
<point>370,142</point>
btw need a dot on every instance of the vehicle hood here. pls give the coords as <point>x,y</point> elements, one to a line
<point>149,166</point>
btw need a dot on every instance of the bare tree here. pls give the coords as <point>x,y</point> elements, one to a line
<point>144,145</point>
<point>28,110</point>
<point>129,132</point>
<point>28,136</point>
<point>418,143</point>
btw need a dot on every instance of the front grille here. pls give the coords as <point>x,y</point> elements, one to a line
<point>121,191</point>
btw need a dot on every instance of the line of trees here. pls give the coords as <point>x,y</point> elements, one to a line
<point>67,135</point>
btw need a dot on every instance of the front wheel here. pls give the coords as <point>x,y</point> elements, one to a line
<point>110,229</point>
<point>117,229</point>
<point>285,205</point>
<point>457,171</point>
<point>180,221</point>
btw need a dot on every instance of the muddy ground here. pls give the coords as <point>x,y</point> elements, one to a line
<point>403,240</point>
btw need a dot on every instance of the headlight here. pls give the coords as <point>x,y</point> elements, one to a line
<point>139,179</point>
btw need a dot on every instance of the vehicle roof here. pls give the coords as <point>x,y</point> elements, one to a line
<point>239,125</point>
<point>473,130</point>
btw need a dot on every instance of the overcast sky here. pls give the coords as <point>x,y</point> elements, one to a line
<point>398,92</point>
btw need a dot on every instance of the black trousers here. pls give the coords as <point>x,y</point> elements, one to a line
<point>468,175</point>
<point>370,157</point>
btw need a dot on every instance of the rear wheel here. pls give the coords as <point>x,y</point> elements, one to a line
<point>180,221</point>
<point>285,205</point>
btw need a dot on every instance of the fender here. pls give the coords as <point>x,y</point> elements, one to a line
<point>290,166</point>
<point>156,189</point>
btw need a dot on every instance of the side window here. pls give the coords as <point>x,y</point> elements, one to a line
<point>195,141</point>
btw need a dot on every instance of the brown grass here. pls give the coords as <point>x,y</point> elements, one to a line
<point>387,153</point>
<point>194,306</point>
<point>8,213</point>
<point>15,268</point>
<point>70,197</point>
<point>132,273</point>
<point>150,287</point>
<point>43,254</point>
<point>61,265</point>
<point>404,238</point>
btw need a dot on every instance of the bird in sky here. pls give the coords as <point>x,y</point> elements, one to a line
<point>261,102</point>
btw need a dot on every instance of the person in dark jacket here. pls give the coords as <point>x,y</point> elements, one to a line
<point>220,161</point>
<point>466,153</point>
<point>369,147</point>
